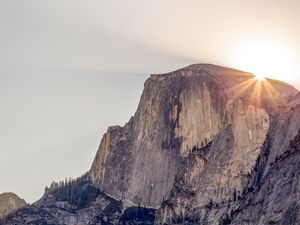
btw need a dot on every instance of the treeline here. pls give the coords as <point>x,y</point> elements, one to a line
<point>64,183</point>
<point>79,192</point>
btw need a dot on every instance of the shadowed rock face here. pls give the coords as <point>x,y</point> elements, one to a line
<point>10,202</point>
<point>275,197</point>
<point>207,145</point>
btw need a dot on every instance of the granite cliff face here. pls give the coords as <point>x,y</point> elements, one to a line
<point>207,145</point>
<point>201,129</point>
<point>10,202</point>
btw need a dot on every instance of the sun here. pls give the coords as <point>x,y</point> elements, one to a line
<point>259,77</point>
<point>264,57</point>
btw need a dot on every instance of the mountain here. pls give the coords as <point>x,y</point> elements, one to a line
<point>207,145</point>
<point>10,202</point>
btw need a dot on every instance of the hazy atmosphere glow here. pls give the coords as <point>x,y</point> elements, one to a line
<point>70,68</point>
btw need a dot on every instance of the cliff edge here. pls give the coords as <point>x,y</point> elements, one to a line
<point>207,145</point>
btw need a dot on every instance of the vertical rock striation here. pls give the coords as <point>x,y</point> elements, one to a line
<point>207,145</point>
<point>201,128</point>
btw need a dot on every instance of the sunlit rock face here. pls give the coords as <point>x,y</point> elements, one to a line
<point>207,145</point>
<point>196,125</point>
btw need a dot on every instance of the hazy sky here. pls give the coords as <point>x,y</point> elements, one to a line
<point>69,69</point>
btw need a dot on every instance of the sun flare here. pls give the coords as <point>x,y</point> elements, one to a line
<point>265,58</point>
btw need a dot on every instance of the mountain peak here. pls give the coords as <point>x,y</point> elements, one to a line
<point>183,110</point>
<point>207,145</point>
<point>234,82</point>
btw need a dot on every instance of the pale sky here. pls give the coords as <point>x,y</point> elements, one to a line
<point>69,69</point>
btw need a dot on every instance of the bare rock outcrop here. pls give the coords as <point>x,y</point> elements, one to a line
<point>10,202</point>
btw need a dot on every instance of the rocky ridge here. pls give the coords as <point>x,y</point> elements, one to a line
<point>207,145</point>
